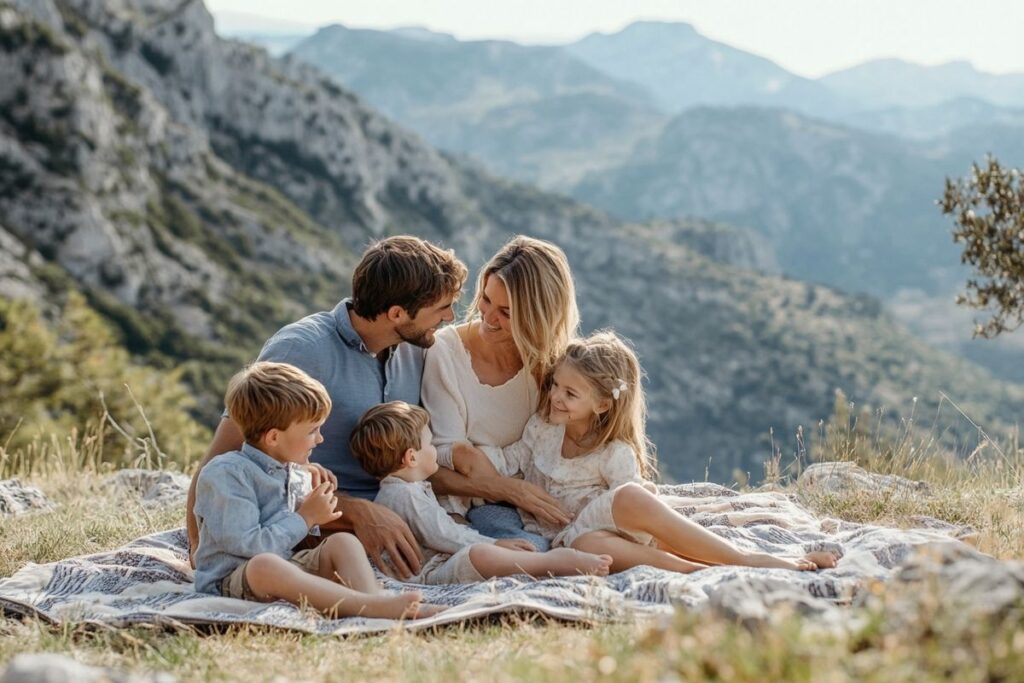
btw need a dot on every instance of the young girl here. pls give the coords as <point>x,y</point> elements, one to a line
<point>587,447</point>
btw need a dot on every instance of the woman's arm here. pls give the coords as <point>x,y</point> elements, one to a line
<point>484,481</point>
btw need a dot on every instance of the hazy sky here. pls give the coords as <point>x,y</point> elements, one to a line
<point>809,37</point>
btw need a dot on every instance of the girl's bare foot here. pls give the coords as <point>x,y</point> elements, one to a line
<point>805,563</point>
<point>569,562</point>
<point>822,559</point>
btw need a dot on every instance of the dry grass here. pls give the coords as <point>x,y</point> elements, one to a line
<point>982,491</point>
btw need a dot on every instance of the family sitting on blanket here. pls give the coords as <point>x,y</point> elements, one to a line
<point>575,469</point>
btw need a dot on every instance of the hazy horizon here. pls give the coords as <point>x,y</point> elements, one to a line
<point>805,37</point>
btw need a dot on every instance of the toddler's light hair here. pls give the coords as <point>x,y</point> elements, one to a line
<point>268,395</point>
<point>611,367</point>
<point>384,433</point>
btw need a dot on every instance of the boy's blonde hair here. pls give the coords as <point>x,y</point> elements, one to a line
<point>613,371</point>
<point>267,396</point>
<point>384,433</point>
<point>542,299</point>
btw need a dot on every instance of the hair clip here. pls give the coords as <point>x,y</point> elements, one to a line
<point>619,389</point>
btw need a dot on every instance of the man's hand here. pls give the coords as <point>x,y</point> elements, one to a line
<point>320,474</point>
<point>380,529</point>
<point>531,498</point>
<point>516,544</point>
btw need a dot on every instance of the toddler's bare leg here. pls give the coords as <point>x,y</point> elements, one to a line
<point>343,559</point>
<point>271,577</point>
<point>634,508</point>
<point>493,560</point>
<point>627,554</point>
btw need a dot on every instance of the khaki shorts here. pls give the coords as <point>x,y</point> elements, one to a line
<point>443,568</point>
<point>235,585</point>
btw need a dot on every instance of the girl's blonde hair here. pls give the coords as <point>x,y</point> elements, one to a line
<point>542,299</point>
<point>611,366</point>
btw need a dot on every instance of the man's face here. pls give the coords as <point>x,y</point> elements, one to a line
<point>419,331</point>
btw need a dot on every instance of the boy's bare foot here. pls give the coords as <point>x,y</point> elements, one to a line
<point>408,605</point>
<point>569,562</point>
<point>422,610</point>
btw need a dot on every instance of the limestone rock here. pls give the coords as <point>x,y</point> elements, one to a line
<point>56,668</point>
<point>846,477</point>
<point>153,487</point>
<point>18,499</point>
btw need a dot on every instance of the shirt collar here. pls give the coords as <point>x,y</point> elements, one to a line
<point>258,457</point>
<point>392,479</point>
<point>348,334</point>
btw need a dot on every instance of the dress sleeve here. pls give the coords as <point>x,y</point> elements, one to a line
<point>620,466</point>
<point>443,400</point>
<point>513,459</point>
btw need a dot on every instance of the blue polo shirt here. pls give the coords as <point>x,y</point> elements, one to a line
<point>327,347</point>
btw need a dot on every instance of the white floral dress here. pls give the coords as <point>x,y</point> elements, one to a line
<point>584,485</point>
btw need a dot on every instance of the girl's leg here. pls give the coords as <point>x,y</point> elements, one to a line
<point>492,560</point>
<point>634,508</point>
<point>626,554</point>
<point>343,559</point>
<point>271,577</point>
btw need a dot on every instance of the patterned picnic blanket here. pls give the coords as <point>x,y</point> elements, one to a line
<point>149,580</point>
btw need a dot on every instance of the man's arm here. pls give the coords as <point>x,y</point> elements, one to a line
<point>379,529</point>
<point>228,437</point>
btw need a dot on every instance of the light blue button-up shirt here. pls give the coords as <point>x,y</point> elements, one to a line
<point>243,510</point>
<point>327,347</point>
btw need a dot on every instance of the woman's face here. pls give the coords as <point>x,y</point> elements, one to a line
<point>495,312</point>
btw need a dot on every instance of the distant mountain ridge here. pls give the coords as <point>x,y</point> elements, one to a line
<point>685,69</point>
<point>898,83</point>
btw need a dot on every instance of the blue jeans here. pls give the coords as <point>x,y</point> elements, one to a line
<point>499,520</point>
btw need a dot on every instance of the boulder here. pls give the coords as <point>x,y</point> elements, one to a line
<point>56,668</point>
<point>18,499</point>
<point>152,487</point>
<point>847,477</point>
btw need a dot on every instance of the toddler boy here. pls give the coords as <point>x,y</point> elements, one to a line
<point>392,442</point>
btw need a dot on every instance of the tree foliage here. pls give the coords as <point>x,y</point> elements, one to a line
<point>58,378</point>
<point>988,210</point>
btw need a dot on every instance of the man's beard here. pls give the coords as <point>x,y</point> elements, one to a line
<point>416,336</point>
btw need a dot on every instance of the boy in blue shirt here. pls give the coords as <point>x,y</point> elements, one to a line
<point>247,528</point>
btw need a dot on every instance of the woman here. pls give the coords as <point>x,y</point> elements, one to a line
<point>481,378</point>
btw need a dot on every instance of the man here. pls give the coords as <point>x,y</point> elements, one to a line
<point>368,350</point>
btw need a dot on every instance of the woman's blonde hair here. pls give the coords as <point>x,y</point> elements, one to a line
<point>611,367</point>
<point>542,299</point>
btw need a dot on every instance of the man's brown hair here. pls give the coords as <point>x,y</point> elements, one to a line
<point>383,435</point>
<point>404,271</point>
<point>267,396</point>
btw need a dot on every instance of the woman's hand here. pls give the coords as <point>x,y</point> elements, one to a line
<point>529,497</point>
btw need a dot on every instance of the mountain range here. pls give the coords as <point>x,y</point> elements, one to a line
<point>200,193</point>
<point>842,186</point>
